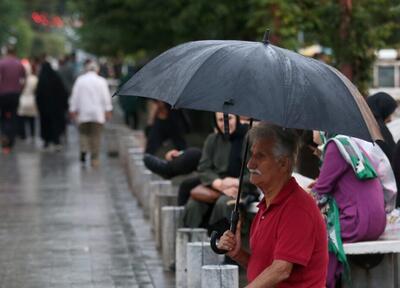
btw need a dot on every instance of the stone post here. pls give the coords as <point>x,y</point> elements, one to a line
<point>157,186</point>
<point>171,222</point>
<point>184,236</point>
<point>220,276</point>
<point>198,254</point>
<point>144,193</point>
<point>162,199</point>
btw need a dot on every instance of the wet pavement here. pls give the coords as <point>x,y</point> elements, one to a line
<point>63,225</point>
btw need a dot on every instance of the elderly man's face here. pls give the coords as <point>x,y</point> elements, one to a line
<point>263,166</point>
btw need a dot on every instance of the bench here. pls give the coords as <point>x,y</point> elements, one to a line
<point>375,263</point>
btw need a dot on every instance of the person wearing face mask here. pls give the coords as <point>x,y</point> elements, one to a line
<point>218,171</point>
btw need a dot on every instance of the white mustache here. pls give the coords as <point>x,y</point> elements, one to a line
<point>254,171</point>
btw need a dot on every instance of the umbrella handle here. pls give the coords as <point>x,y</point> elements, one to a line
<point>215,235</point>
<point>213,243</point>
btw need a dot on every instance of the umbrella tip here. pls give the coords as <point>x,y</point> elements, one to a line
<point>266,37</point>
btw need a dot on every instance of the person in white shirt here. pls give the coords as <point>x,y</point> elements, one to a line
<point>90,106</point>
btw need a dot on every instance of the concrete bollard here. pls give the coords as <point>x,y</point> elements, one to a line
<point>160,187</point>
<point>161,200</point>
<point>144,192</point>
<point>137,170</point>
<point>198,254</point>
<point>220,276</point>
<point>149,190</point>
<point>172,220</point>
<point>143,178</point>
<point>184,236</point>
<point>133,155</point>
<point>126,142</point>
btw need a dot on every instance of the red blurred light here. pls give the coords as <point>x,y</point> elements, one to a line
<point>57,21</point>
<point>45,20</point>
<point>36,17</point>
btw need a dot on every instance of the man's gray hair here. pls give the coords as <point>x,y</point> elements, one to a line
<point>286,141</point>
<point>92,66</point>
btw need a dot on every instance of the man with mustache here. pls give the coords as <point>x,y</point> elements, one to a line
<point>288,239</point>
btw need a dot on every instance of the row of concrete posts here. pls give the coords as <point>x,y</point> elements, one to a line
<point>185,251</point>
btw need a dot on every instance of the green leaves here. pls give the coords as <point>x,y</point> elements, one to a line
<point>113,27</point>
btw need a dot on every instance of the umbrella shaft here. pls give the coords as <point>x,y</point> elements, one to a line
<point>236,209</point>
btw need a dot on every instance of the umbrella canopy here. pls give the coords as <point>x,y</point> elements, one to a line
<point>258,80</point>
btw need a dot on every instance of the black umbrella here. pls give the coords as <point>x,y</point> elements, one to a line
<point>258,80</point>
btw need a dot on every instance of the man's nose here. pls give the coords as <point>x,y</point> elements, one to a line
<point>250,163</point>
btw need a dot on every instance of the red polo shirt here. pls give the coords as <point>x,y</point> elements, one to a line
<point>291,229</point>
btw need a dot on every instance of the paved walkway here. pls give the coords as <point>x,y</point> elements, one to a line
<point>67,226</point>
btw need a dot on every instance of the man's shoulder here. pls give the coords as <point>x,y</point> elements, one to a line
<point>300,199</point>
<point>6,61</point>
<point>90,77</point>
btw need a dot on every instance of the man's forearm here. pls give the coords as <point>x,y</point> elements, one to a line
<point>242,257</point>
<point>272,275</point>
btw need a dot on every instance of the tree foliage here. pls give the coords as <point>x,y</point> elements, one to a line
<point>371,26</point>
<point>121,26</point>
<point>10,10</point>
<point>113,27</point>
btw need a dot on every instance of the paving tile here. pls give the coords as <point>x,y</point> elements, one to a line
<point>66,226</point>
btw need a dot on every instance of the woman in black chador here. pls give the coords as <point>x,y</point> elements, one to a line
<point>52,102</point>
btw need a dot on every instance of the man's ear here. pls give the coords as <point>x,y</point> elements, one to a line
<point>284,162</point>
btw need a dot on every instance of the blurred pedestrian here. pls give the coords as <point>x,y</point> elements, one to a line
<point>130,105</point>
<point>90,107</point>
<point>27,109</point>
<point>382,106</point>
<point>67,72</point>
<point>52,103</point>
<point>12,78</point>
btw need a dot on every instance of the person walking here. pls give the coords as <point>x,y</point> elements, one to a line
<point>12,78</point>
<point>27,110</point>
<point>52,103</point>
<point>90,107</point>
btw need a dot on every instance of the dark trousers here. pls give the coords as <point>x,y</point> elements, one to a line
<point>26,123</point>
<point>184,189</point>
<point>8,118</point>
<point>163,130</point>
<point>50,130</point>
<point>185,163</point>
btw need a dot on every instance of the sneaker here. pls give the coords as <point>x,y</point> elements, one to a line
<point>157,166</point>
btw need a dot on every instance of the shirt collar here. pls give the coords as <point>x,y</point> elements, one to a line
<point>282,195</point>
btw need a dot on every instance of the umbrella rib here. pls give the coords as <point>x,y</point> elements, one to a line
<point>202,64</point>
<point>370,117</point>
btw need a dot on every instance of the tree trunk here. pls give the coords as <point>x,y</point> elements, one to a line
<point>346,8</point>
